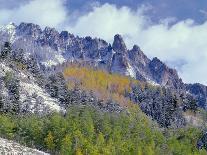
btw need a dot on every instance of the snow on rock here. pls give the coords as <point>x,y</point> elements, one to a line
<point>4,68</point>
<point>60,58</point>
<point>49,63</point>
<point>9,29</point>
<point>193,119</point>
<point>12,148</point>
<point>46,100</point>
<point>32,96</point>
<point>131,72</point>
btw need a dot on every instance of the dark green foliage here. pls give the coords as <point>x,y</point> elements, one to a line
<point>202,143</point>
<point>12,84</point>
<point>6,51</point>
<point>18,56</point>
<point>164,105</point>
<point>1,103</point>
<point>57,88</point>
<point>84,130</point>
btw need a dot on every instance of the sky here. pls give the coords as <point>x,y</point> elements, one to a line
<point>173,30</point>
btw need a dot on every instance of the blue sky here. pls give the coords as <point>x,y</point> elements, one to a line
<point>173,30</point>
<point>180,9</point>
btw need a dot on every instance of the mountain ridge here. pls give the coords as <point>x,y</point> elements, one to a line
<point>77,47</point>
<point>52,48</point>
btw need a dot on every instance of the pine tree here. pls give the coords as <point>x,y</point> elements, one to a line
<point>12,85</point>
<point>14,95</point>
<point>57,88</point>
<point>49,141</point>
<point>66,146</point>
<point>1,103</point>
<point>18,56</point>
<point>6,50</point>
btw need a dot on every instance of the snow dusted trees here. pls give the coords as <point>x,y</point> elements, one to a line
<point>12,84</point>
<point>57,88</point>
<point>6,51</point>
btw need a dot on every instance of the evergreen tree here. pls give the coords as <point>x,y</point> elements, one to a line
<point>66,146</point>
<point>49,141</point>
<point>57,88</point>
<point>12,85</point>
<point>6,51</point>
<point>18,56</point>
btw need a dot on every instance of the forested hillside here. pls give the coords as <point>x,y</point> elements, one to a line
<point>84,130</point>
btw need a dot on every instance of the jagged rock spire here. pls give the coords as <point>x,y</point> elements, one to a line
<point>118,45</point>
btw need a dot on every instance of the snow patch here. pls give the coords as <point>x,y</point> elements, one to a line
<point>4,68</point>
<point>49,63</point>
<point>13,148</point>
<point>11,30</point>
<point>131,72</point>
<point>60,58</point>
<point>32,89</point>
<point>152,82</point>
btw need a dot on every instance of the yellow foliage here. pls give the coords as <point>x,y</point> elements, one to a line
<point>78,152</point>
<point>103,84</point>
<point>49,140</point>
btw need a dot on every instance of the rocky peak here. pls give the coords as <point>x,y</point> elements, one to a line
<point>50,31</point>
<point>118,44</point>
<point>116,57</point>
<point>119,60</point>
<point>157,65</point>
<point>64,35</point>
<point>136,48</point>
<point>200,93</point>
<point>164,75</point>
<point>50,37</point>
<point>136,55</point>
<point>29,29</point>
<point>10,26</point>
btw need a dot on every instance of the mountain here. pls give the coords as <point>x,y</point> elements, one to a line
<point>52,48</point>
<point>49,79</point>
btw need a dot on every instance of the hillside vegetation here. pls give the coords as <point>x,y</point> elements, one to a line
<point>84,130</point>
<point>104,85</point>
<point>88,124</point>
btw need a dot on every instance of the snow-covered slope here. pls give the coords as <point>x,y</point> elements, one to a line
<point>12,148</point>
<point>33,98</point>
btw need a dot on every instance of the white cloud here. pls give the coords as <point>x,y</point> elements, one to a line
<point>107,20</point>
<point>204,12</point>
<point>183,41</point>
<point>43,12</point>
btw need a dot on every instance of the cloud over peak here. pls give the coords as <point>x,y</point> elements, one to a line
<point>182,44</point>
<point>46,13</point>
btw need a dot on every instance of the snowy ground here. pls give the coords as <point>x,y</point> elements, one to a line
<point>11,148</point>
